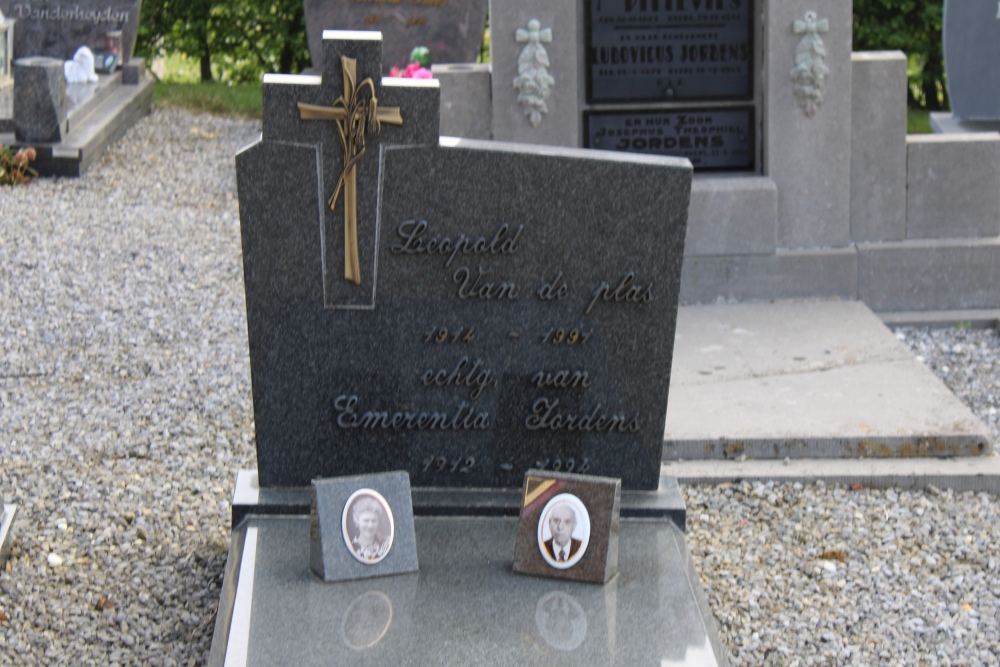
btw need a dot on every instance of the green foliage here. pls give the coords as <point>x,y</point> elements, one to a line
<point>914,27</point>
<point>918,121</point>
<point>14,169</point>
<point>243,100</point>
<point>234,42</point>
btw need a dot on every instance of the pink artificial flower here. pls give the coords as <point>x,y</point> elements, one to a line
<point>410,70</point>
<point>423,73</point>
<point>394,72</point>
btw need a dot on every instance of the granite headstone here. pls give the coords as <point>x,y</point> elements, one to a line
<point>504,308</point>
<point>971,35</point>
<point>451,29</point>
<point>57,29</point>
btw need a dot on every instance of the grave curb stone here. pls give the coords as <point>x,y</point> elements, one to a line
<point>961,200</point>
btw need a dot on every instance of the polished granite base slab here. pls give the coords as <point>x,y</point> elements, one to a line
<point>464,607</point>
<point>7,514</point>
<point>250,498</point>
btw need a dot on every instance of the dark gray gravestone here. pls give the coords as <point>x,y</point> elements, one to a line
<point>972,58</point>
<point>514,306</point>
<point>451,29</point>
<point>341,510</point>
<point>57,29</point>
<point>39,99</point>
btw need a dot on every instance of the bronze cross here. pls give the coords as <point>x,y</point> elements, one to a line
<point>355,116</point>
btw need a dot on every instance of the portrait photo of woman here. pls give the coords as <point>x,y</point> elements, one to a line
<point>368,526</point>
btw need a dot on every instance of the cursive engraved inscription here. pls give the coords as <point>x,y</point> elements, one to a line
<point>414,242</point>
<point>464,418</point>
<point>465,374</point>
<point>568,464</point>
<point>462,464</point>
<point>443,335</point>
<point>474,287</point>
<point>561,379</point>
<point>625,291</point>
<point>555,289</point>
<point>565,336</point>
<point>545,417</point>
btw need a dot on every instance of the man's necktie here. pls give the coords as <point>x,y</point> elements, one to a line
<point>562,555</point>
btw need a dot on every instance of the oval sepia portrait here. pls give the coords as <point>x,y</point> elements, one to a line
<point>368,526</point>
<point>563,531</point>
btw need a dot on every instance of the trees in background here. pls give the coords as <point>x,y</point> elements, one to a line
<point>239,41</point>
<point>914,27</point>
<point>232,41</point>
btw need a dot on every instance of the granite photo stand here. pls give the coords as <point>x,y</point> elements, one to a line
<point>593,548</point>
<point>331,559</point>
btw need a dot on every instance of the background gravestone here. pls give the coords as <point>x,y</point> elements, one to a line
<point>971,36</point>
<point>39,99</point>
<point>529,326</point>
<point>451,29</point>
<point>57,29</point>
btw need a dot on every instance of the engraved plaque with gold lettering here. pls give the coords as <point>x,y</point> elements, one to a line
<point>460,310</point>
<point>669,50</point>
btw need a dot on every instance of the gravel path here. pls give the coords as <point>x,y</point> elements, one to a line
<point>125,411</point>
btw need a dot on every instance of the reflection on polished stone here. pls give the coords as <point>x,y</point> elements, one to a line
<point>366,620</point>
<point>561,621</point>
<point>467,607</point>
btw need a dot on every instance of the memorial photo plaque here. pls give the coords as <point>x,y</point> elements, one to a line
<point>569,527</point>
<point>669,50</point>
<point>712,139</point>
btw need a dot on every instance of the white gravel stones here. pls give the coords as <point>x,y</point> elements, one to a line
<point>968,362</point>
<point>823,575</point>
<point>125,411</point>
<point>124,397</point>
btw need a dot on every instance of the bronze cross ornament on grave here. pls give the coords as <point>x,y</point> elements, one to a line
<point>356,114</point>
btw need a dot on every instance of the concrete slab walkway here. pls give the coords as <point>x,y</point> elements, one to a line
<point>807,380</point>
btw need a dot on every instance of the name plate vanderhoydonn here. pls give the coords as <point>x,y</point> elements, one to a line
<point>669,50</point>
<point>712,139</point>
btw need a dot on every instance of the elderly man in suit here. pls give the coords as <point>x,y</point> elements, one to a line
<point>562,522</point>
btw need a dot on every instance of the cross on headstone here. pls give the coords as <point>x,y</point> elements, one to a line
<point>356,115</point>
<point>366,111</point>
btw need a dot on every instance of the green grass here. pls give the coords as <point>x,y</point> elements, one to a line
<point>218,98</point>
<point>918,122</point>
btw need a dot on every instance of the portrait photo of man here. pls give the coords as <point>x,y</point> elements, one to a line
<point>563,531</point>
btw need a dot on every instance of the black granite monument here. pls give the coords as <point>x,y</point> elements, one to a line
<point>462,311</point>
<point>451,30</point>
<point>672,78</point>
<point>57,29</point>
